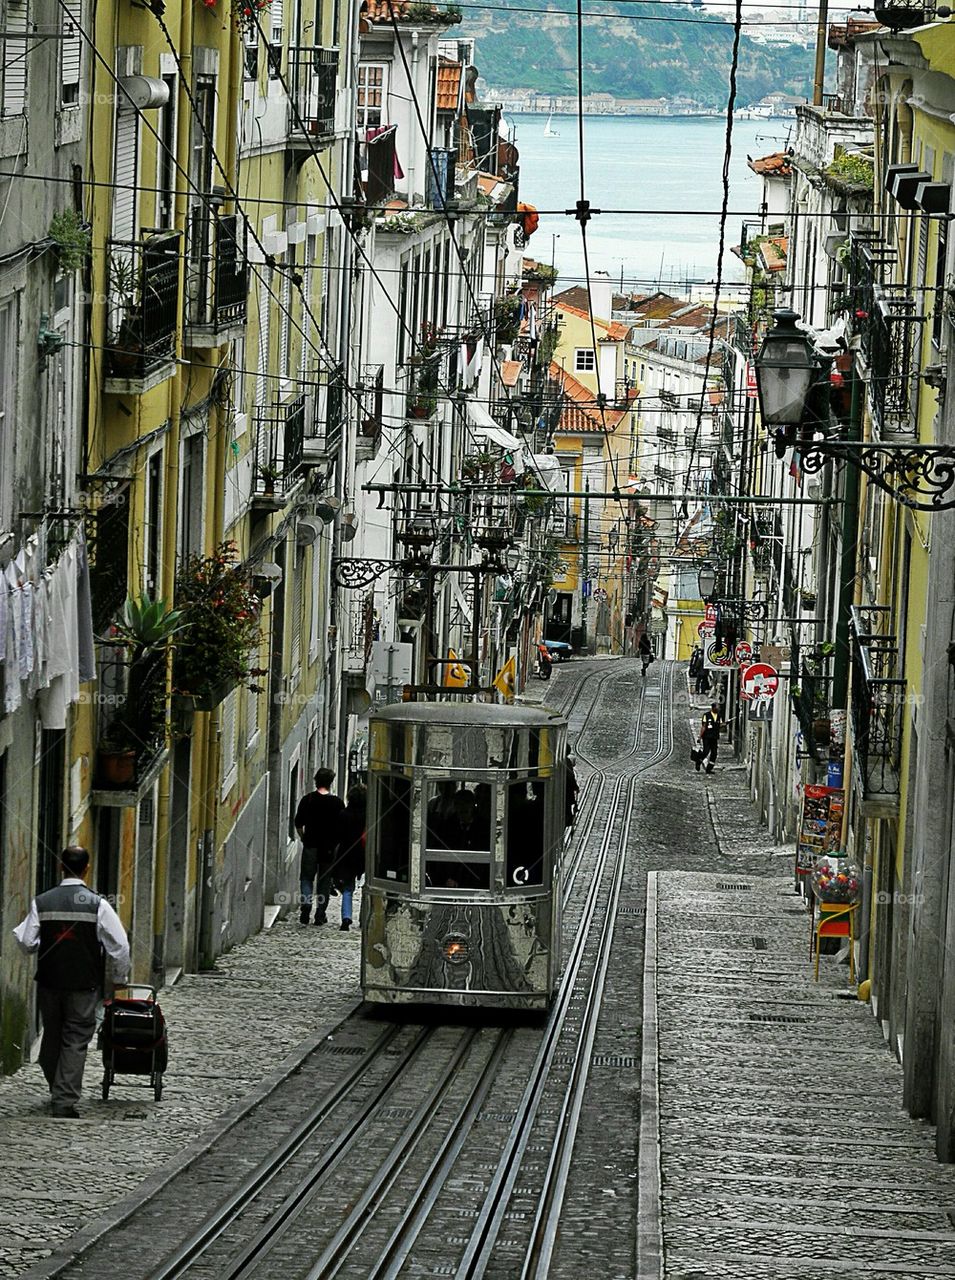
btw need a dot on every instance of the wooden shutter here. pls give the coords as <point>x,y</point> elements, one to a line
<point>285,325</point>
<point>15,58</point>
<point>125,170</point>
<point>262,382</point>
<point>71,49</point>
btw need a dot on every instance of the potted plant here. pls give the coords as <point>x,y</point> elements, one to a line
<point>269,474</point>
<point>808,598</point>
<point>222,631</point>
<point>125,314</point>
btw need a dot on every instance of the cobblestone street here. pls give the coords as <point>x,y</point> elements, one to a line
<point>257,1013</point>
<point>746,1118</point>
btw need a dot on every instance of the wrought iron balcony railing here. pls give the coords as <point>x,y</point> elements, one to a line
<point>370,409</point>
<point>107,538</point>
<point>878,704</point>
<point>314,77</point>
<point>142,301</point>
<point>423,379</point>
<point>902,15</point>
<point>811,703</point>
<point>217,274</point>
<point>131,728</point>
<point>894,335</point>
<point>279,441</point>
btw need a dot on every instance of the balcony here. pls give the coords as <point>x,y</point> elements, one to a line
<point>894,340</point>
<point>313,75</point>
<point>217,278</point>
<point>440,177</point>
<point>878,703</point>
<point>423,376</point>
<point>323,430</point>
<point>371,392</point>
<point>131,729</point>
<point>811,704</point>
<point>902,15</point>
<point>279,444</point>
<point>142,311</point>
<point>867,266</point>
<point>107,538</point>
<point>359,628</point>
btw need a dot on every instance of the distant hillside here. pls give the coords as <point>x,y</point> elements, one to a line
<point>632,54</point>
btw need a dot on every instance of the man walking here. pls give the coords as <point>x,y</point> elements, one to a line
<point>710,737</point>
<point>317,821</point>
<point>70,927</point>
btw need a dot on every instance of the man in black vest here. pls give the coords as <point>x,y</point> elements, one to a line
<point>70,927</point>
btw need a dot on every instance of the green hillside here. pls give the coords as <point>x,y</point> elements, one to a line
<point>632,54</point>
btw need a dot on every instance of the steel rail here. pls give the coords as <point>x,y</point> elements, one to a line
<point>192,1250</point>
<point>225,1214</point>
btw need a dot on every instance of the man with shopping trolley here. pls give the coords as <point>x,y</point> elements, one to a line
<point>70,928</point>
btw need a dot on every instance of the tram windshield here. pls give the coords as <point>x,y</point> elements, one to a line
<point>458,837</point>
<point>525,833</point>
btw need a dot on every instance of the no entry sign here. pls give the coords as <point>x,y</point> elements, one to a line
<point>759,681</point>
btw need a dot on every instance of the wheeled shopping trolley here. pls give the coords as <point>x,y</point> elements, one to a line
<point>133,1039</point>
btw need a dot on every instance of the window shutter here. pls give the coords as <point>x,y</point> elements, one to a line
<point>298,603</point>
<point>286,318</point>
<point>262,382</point>
<point>277,14</point>
<point>125,164</point>
<point>228,736</point>
<point>71,48</point>
<point>15,58</point>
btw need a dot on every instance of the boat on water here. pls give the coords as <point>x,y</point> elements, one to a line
<point>549,130</point>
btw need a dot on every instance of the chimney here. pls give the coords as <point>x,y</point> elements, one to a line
<point>601,296</point>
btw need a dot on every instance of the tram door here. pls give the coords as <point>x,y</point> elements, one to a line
<point>459,835</point>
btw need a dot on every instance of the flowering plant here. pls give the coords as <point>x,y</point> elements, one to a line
<point>836,880</point>
<point>243,12</point>
<point>221,613</point>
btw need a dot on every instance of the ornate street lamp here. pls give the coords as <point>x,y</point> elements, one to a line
<point>788,373</point>
<point>786,369</point>
<point>706,580</point>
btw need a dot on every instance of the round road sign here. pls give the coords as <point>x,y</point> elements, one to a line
<point>759,681</point>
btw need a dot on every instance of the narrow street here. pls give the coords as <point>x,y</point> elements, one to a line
<point>742,1134</point>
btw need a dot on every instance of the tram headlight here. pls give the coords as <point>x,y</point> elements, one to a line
<point>456,949</point>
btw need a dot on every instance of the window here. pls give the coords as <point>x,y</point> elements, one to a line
<point>371,96</point>
<point>276,15</point>
<point>584,360</point>
<point>525,833</point>
<point>938,305</point>
<point>166,164</point>
<point>192,459</point>
<point>252,55</point>
<point>392,834</point>
<point>262,380</point>
<point>227,741</point>
<point>293,785</point>
<point>458,836</point>
<point>298,604</point>
<point>71,52</point>
<point>402,309</point>
<point>153,532</point>
<point>287,319</point>
<point>251,717</point>
<point>9,377</point>
<point>125,169</point>
<point>13,98</point>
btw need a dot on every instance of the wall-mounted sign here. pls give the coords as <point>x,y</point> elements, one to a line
<point>759,681</point>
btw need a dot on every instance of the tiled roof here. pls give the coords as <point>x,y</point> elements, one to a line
<point>576,296</point>
<point>449,85</point>
<point>381,10</point>
<point>580,412</point>
<point>511,371</point>
<point>614,330</point>
<point>779,164</point>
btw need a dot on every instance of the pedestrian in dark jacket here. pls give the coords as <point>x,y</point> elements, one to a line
<point>350,864</point>
<point>70,928</point>
<point>710,737</point>
<point>645,649</point>
<point>571,790</point>
<point>696,662</point>
<point>316,821</point>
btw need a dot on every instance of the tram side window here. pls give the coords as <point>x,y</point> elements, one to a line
<point>458,836</point>
<point>525,834</point>
<point>394,828</point>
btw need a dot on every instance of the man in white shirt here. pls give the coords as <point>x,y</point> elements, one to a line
<point>70,927</point>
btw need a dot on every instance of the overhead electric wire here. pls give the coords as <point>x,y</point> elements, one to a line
<point>626,17</point>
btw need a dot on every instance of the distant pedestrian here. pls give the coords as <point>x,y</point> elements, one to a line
<point>710,737</point>
<point>571,791</point>
<point>350,863</point>
<point>702,679</point>
<point>317,823</point>
<point>645,650</point>
<point>696,662</point>
<point>70,928</point>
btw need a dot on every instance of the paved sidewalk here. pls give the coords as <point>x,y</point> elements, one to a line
<point>228,1029</point>
<point>785,1151</point>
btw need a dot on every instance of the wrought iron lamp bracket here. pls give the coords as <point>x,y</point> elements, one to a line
<point>919,476</point>
<point>352,572</point>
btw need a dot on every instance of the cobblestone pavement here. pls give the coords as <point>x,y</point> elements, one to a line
<point>259,1009</point>
<point>785,1150</point>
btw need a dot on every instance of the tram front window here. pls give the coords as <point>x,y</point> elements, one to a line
<point>458,836</point>
<point>393,836</point>
<point>525,834</point>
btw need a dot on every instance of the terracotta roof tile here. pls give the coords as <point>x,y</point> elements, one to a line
<point>380,11</point>
<point>778,164</point>
<point>511,371</point>
<point>449,85</point>
<point>582,414</point>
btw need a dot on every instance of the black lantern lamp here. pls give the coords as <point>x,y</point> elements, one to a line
<point>788,377</point>
<point>706,580</point>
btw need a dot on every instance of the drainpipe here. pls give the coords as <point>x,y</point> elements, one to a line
<point>412,89</point>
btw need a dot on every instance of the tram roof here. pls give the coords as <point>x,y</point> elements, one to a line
<point>468,713</point>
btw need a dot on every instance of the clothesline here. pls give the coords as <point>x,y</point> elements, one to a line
<point>46,629</point>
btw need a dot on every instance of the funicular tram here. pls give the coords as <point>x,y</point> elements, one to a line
<point>461,903</point>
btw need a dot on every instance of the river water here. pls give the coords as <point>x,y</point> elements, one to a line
<point>670,167</point>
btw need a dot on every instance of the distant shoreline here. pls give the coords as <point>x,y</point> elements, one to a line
<point>744,113</point>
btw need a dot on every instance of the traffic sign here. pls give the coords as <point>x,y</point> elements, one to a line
<point>743,653</point>
<point>706,629</point>
<point>716,657</point>
<point>759,681</point>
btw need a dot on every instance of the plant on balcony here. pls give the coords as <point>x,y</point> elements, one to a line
<point>72,239</point>
<point>854,170</point>
<point>422,398</point>
<point>126,342</point>
<point>507,318</point>
<point>243,13</point>
<point>476,465</point>
<point>269,474</point>
<point>222,632</point>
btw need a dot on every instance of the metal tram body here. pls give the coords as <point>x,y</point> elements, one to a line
<point>461,904</point>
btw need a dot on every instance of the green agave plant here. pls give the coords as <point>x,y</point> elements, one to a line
<point>148,624</point>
